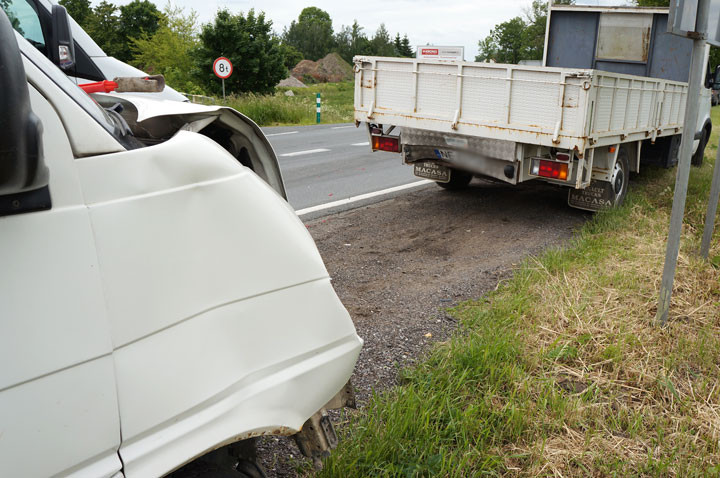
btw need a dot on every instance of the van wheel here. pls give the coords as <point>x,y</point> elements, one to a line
<point>620,177</point>
<point>697,158</point>
<point>458,180</point>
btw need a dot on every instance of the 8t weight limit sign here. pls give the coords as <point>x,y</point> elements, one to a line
<point>222,67</point>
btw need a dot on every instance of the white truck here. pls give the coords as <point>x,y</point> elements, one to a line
<point>160,301</point>
<point>611,94</point>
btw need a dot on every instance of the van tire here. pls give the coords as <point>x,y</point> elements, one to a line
<point>458,180</point>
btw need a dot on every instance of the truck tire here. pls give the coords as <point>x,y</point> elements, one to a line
<point>697,158</point>
<point>620,177</point>
<point>458,180</point>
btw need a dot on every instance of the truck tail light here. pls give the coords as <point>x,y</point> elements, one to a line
<point>386,143</point>
<point>549,169</point>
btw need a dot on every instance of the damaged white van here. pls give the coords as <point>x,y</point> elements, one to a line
<point>160,302</point>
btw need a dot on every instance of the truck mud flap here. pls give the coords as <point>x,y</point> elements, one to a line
<point>597,196</point>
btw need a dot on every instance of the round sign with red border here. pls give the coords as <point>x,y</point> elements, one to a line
<point>222,67</point>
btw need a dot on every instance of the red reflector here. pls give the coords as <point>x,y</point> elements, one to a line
<point>551,169</point>
<point>385,143</point>
<point>562,157</point>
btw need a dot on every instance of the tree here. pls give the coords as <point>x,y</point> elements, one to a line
<point>505,44</point>
<point>534,34</point>
<point>381,44</point>
<point>517,39</point>
<point>312,34</point>
<point>169,51</point>
<point>104,27</point>
<point>136,18</point>
<point>405,49</point>
<point>14,21</point>
<point>248,42</point>
<point>351,41</point>
<point>397,43</point>
<point>80,10</point>
<point>291,56</point>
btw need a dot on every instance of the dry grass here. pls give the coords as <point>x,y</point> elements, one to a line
<point>640,394</point>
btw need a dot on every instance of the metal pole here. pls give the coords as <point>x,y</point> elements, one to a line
<point>683,173</point>
<point>223,82</point>
<point>712,209</point>
<point>317,117</point>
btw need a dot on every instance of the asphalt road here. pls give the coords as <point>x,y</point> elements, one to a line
<point>325,163</point>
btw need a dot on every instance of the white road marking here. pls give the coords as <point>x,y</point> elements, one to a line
<point>343,127</point>
<point>366,143</point>
<point>280,134</point>
<point>309,151</point>
<point>361,197</point>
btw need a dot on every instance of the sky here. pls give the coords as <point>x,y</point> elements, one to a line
<point>443,23</point>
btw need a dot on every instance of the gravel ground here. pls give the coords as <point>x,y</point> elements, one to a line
<point>398,264</point>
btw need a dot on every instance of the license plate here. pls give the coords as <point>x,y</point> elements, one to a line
<point>434,171</point>
<point>598,195</point>
<point>443,154</point>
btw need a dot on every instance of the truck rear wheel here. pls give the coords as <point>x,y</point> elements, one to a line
<point>697,158</point>
<point>620,177</point>
<point>458,180</point>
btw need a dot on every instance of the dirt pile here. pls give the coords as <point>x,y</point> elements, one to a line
<point>291,82</point>
<point>331,69</point>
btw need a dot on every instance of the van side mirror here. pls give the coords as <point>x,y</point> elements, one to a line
<point>24,177</point>
<point>62,47</point>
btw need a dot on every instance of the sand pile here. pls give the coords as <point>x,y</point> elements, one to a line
<point>330,69</point>
<point>291,82</point>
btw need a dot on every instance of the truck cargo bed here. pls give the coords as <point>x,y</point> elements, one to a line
<point>555,107</point>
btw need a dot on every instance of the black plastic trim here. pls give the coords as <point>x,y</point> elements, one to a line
<point>29,201</point>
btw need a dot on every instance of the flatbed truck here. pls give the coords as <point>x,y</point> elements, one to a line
<point>610,96</point>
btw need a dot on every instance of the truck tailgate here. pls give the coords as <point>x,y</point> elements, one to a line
<point>556,107</point>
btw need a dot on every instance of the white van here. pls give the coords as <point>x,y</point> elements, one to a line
<point>37,22</point>
<point>159,298</point>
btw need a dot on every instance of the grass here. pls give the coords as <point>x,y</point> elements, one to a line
<point>279,109</point>
<point>562,371</point>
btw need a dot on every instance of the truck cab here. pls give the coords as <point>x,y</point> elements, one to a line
<point>160,301</point>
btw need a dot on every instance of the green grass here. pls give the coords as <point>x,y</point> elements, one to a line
<point>279,109</point>
<point>562,371</point>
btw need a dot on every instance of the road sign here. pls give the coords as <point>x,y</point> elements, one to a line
<point>222,67</point>
<point>691,20</point>
<point>683,19</point>
<point>428,52</point>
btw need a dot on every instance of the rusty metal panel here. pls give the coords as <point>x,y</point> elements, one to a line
<point>624,36</point>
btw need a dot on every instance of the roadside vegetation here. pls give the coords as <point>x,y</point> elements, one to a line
<point>562,371</point>
<point>279,109</point>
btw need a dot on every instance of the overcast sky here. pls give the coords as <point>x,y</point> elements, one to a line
<point>448,23</point>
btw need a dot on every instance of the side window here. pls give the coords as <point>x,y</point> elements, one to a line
<point>24,18</point>
<point>624,36</point>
